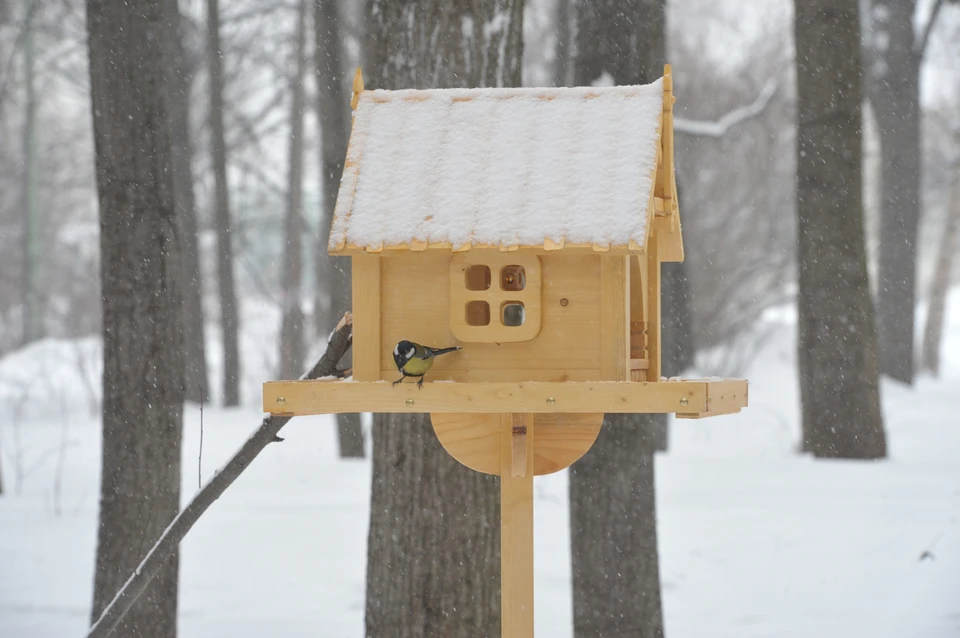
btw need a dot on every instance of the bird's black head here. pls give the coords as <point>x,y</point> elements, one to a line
<point>403,352</point>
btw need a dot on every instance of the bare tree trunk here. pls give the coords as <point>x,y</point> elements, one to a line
<point>837,344</point>
<point>180,80</point>
<point>940,285</point>
<point>562,66</point>
<point>229,322</point>
<point>616,574</point>
<point>332,273</point>
<point>32,309</point>
<point>291,328</point>
<point>142,313</point>
<point>613,534</point>
<point>894,92</point>
<point>434,547</point>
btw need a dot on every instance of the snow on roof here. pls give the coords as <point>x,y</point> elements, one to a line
<point>499,167</point>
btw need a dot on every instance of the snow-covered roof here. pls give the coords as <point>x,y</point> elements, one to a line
<point>504,167</point>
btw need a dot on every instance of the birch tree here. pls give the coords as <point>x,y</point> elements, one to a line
<point>433,560</point>
<point>140,279</point>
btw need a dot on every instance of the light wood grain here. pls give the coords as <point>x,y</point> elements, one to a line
<point>653,309</point>
<point>494,375</point>
<point>671,237</point>
<point>615,318</point>
<point>416,306</point>
<point>516,535</point>
<point>518,447</point>
<point>357,88</point>
<point>366,318</point>
<point>562,439</point>
<point>638,328</point>
<point>576,397</point>
<point>531,297</point>
<point>474,439</point>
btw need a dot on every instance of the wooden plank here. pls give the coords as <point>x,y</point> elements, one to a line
<point>670,243</point>
<point>366,317</point>
<point>493,375</point>
<point>727,395</point>
<point>516,534</point>
<point>638,329</point>
<point>705,415</point>
<point>584,397</point>
<point>653,309</point>
<point>518,447</point>
<point>614,318</point>
<point>723,397</point>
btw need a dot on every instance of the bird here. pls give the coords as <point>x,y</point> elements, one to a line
<point>414,360</point>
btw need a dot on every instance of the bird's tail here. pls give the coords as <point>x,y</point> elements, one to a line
<point>439,351</point>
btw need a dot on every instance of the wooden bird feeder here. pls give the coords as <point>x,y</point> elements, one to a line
<point>528,226</point>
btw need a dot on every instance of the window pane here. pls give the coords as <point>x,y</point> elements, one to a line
<point>478,313</point>
<point>477,277</point>
<point>513,278</point>
<point>512,313</point>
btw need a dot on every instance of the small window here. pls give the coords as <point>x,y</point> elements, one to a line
<point>478,312</point>
<point>495,296</point>
<point>478,278</point>
<point>512,313</point>
<point>513,278</point>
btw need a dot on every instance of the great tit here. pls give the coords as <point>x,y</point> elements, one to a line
<point>414,360</point>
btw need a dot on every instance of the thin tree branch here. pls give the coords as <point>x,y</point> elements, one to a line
<point>338,344</point>
<point>920,46</point>
<point>719,128</point>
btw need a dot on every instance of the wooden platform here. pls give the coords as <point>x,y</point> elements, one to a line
<point>687,398</point>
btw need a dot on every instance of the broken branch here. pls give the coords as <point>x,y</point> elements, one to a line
<point>267,433</point>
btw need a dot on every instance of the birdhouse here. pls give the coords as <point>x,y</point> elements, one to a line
<point>527,226</point>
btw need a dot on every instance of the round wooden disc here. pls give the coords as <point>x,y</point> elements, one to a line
<point>558,439</point>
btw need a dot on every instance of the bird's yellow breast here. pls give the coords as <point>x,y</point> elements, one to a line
<point>417,366</point>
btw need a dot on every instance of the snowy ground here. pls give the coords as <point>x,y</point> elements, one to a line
<point>755,540</point>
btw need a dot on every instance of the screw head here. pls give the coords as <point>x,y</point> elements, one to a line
<point>551,401</point>
<point>564,301</point>
<point>684,401</point>
<point>409,403</point>
<point>281,401</point>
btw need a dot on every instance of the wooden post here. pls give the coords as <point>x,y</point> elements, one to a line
<point>366,324</point>
<point>615,317</point>
<point>653,309</point>
<point>516,526</point>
